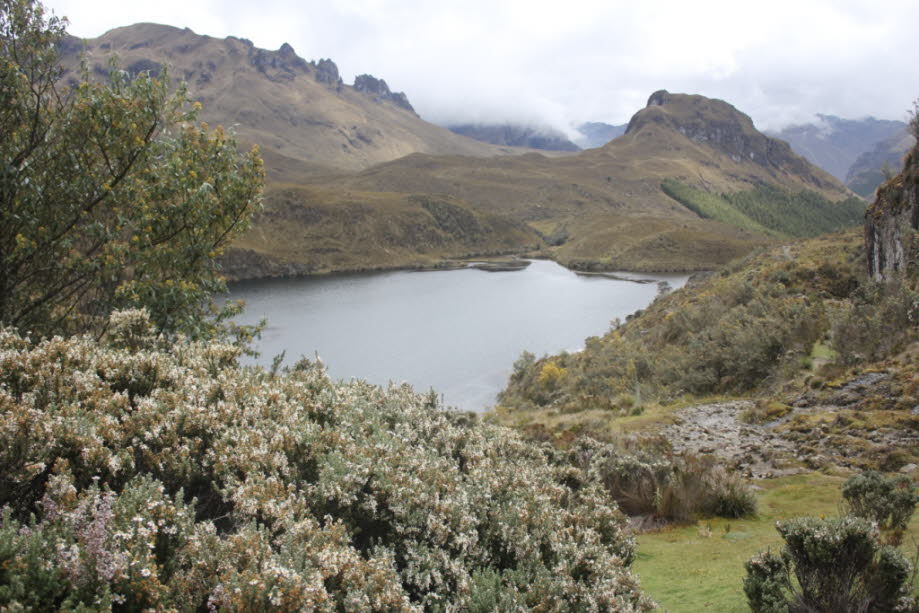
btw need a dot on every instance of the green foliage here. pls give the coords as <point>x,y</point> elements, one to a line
<point>770,210</point>
<point>880,318</point>
<point>798,214</point>
<point>888,501</point>
<point>143,473</point>
<point>111,196</point>
<point>838,566</point>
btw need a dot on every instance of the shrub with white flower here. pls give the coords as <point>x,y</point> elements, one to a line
<point>138,475</point>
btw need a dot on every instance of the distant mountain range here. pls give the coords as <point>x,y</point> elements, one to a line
<point>591,135</point>
<point>852,150</point>
<point>596,133</point>
<point>512,135</point>
<point>356,180</point>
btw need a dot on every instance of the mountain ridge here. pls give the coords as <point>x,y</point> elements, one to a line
<point>601,208</point>
<point>287,105</point>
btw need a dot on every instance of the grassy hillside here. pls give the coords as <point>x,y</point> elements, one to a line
<point>335,146</point>
<point>605,208</point>
<point>304,230</point>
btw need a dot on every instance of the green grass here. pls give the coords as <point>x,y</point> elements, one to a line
<point>687,570</point>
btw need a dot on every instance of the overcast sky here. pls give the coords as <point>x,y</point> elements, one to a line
<point>563,62</point>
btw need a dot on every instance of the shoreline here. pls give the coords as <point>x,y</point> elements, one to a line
<point>490,262</point>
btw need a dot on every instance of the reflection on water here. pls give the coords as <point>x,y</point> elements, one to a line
<point>456,331</point>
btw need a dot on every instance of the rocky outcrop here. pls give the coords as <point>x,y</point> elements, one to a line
<point>281,65</point>
<point>892,224</point>
<point>327,72</point>
<point>719,125</point>
<point>379,90</point>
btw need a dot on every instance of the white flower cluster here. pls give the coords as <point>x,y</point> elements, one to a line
<point>176,479</point>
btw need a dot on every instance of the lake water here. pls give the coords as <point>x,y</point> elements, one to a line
<point>458,331</point>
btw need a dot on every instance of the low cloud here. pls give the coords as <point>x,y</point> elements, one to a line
<point>560,64</point>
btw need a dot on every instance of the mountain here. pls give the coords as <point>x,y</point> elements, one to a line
<point>834,143</point>
<point>292,108</point>
<point>516,136</point>
<point>596,133</point>
<point>870,168</point>
<point>603,208</point>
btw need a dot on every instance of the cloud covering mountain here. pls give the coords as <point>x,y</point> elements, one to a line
<point>545,63</point>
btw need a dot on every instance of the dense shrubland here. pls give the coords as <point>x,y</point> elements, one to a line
<point>145,474</point>
<point>751,326</point>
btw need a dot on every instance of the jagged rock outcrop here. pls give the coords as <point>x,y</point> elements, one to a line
<point>380,91</point>
<point>892,224</point>
<point>721,126</point>
<point>327,72</point>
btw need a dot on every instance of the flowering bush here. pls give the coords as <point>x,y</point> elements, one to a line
<point>138,475</point>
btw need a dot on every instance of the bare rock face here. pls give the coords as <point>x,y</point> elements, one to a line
<point>327,72</point>
<point>378,88</point>
<point>892,224</point>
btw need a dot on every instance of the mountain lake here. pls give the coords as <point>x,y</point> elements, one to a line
<point>456,331</point>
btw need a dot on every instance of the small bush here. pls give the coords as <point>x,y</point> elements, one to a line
<point>671,489</point>
<point>838,566</point>
<point>889,501</point>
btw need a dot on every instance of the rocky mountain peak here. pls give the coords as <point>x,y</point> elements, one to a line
<point>379,90</point>
<point>719,125</point>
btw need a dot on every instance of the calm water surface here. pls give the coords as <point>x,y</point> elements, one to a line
<point>458,332</point>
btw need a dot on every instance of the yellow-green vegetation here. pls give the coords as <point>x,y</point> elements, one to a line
<point>305,230</point>
<point>753,325</point>
<point>748,325</point>
<point>701,567</point>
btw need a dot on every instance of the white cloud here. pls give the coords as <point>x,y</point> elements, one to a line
<point>562,63</point>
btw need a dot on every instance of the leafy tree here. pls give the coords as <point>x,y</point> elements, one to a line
<point>111,194</point>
